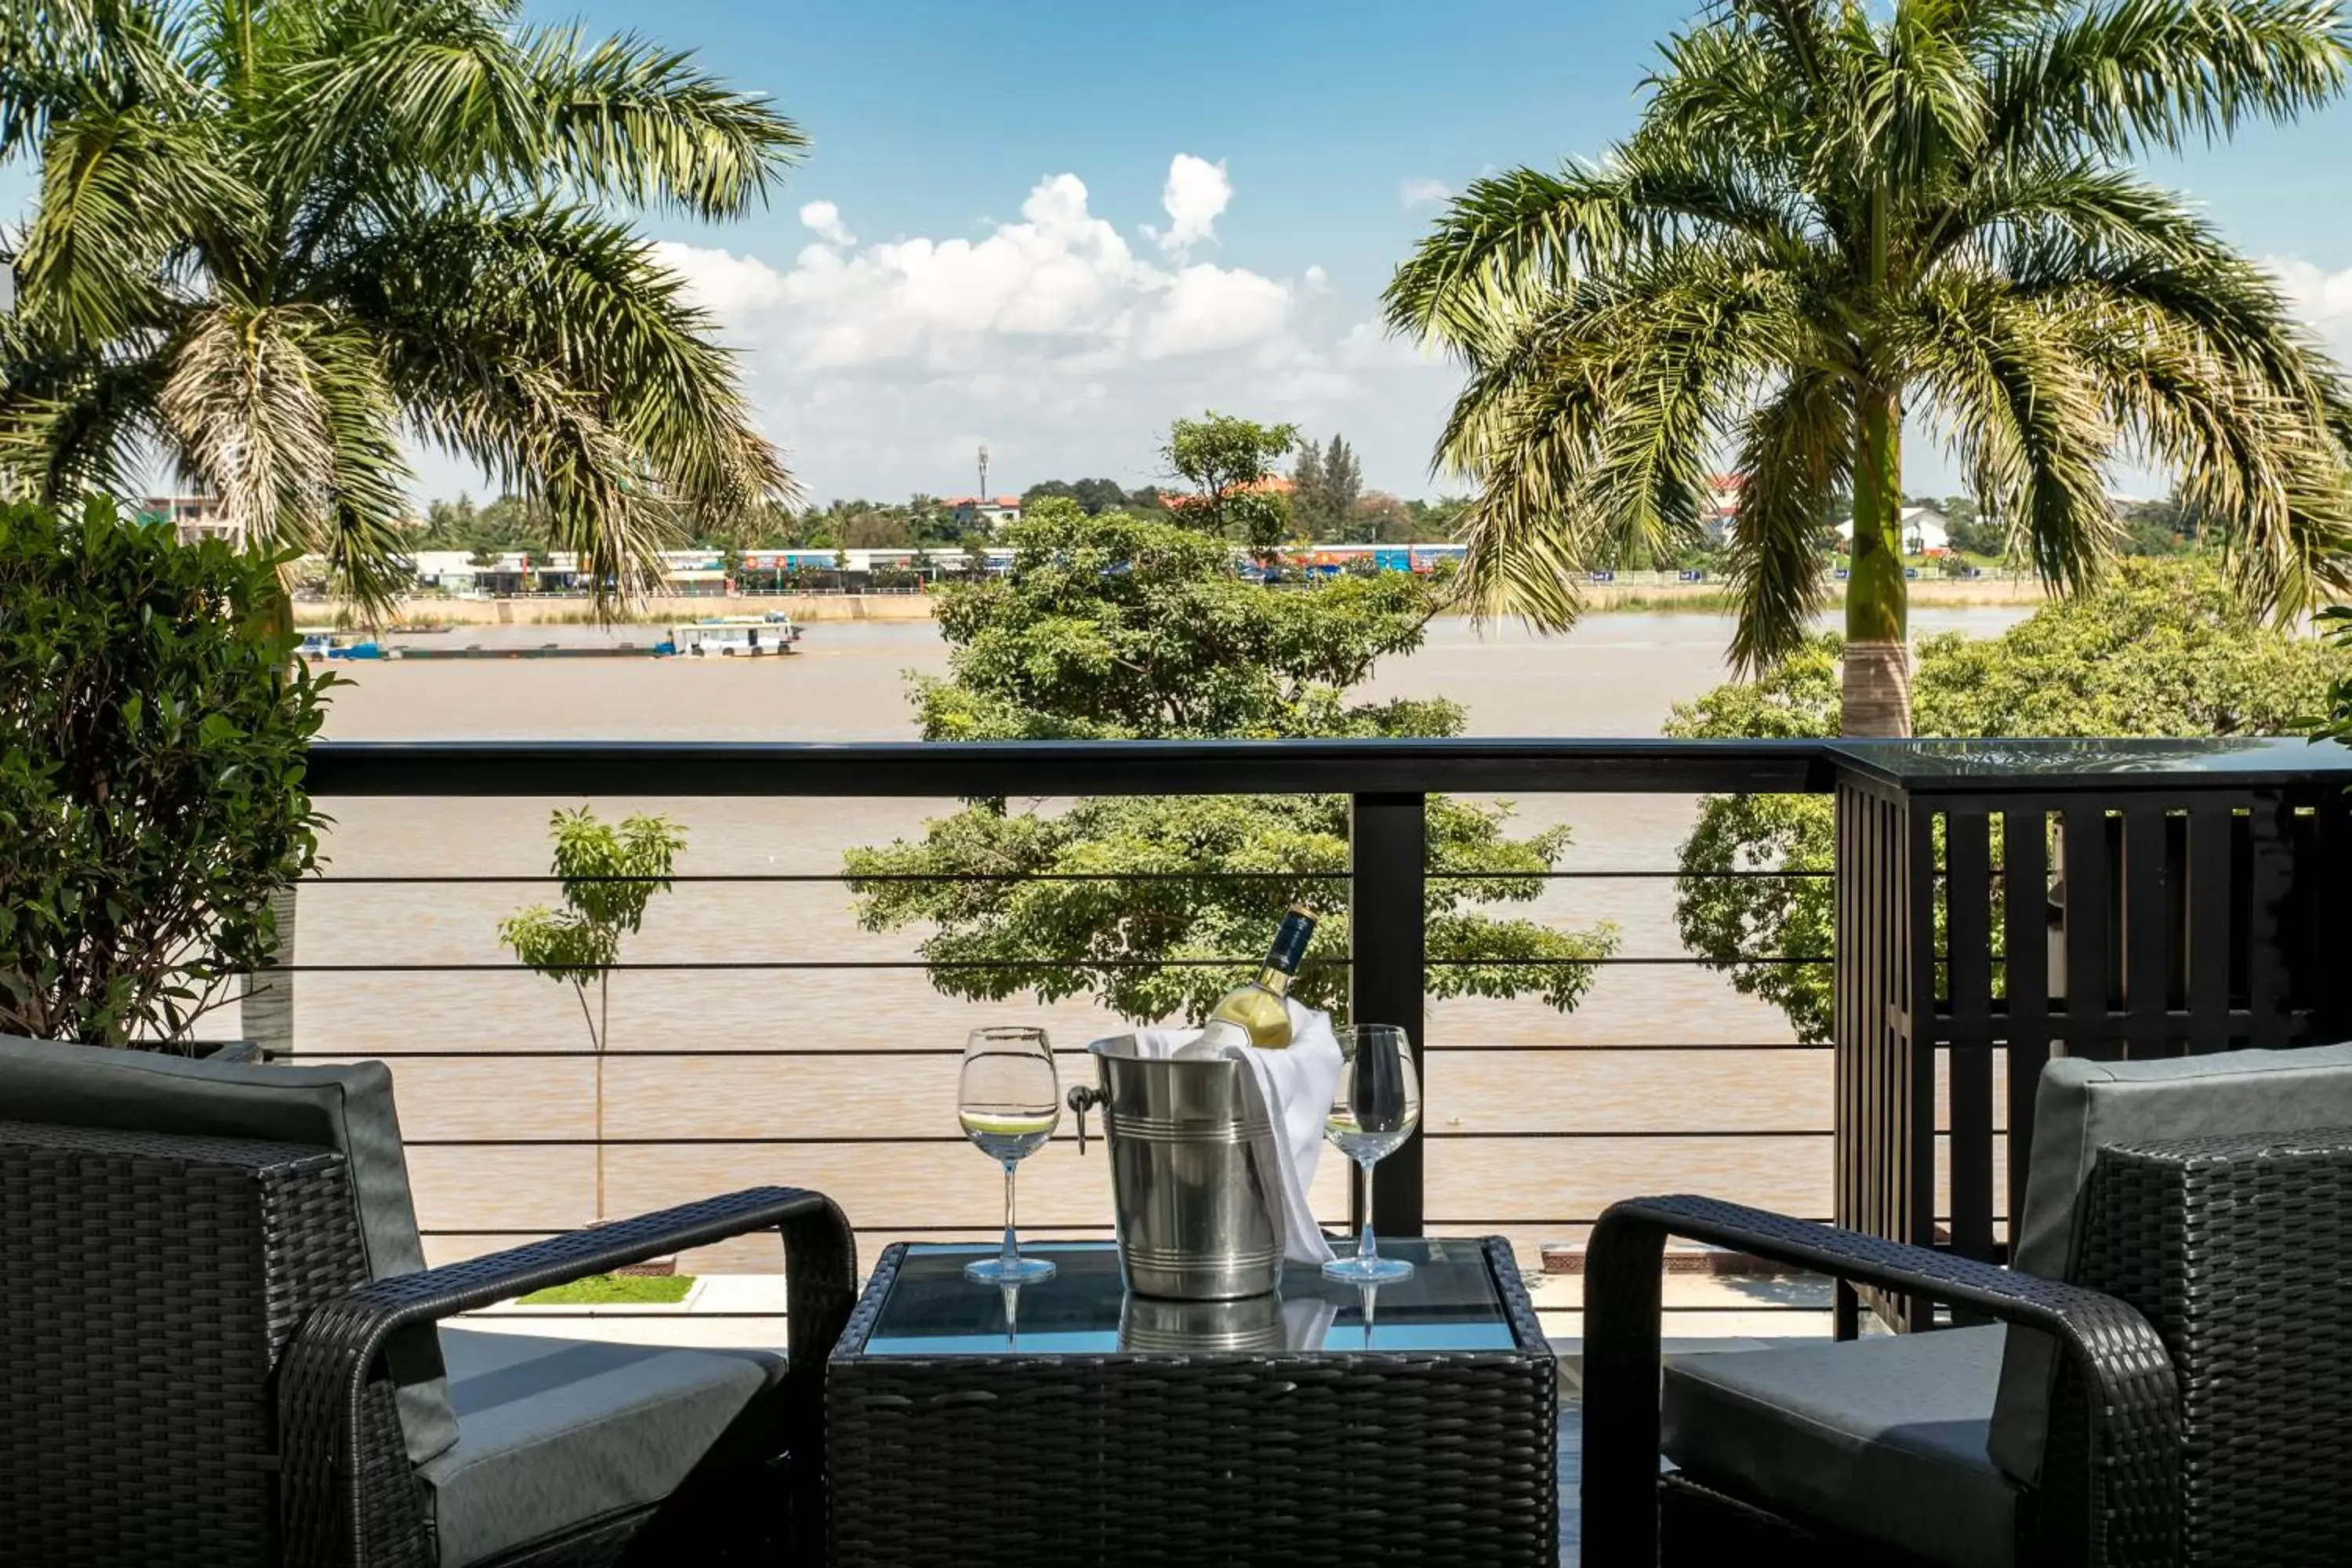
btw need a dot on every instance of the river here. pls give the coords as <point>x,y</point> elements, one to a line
<point>1617,675</point>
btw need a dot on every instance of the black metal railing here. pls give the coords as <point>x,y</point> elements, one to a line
<point>1889,1149</point>
<point>1388,784</point>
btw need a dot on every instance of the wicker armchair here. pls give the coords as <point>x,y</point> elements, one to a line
<point>2183,1395</point>
<point>201,1364</point>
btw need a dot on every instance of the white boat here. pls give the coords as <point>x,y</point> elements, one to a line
<point>731,637</point>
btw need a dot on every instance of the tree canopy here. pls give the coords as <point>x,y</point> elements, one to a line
<point>2161,647</point>
<point>1230,464</point>
<point>1127,628</point>
<point>274,239</point>
<point>1833,216</point>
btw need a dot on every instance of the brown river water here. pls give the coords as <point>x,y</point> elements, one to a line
<point>1616,675</point>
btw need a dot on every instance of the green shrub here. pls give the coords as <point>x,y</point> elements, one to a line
<point>153,729</point>
<point>2159,647</point>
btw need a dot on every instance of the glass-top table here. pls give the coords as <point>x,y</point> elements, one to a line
<point>1091,1426</point>
<point>1449,1304</point>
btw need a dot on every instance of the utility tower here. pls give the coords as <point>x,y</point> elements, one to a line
<point>984,476</point>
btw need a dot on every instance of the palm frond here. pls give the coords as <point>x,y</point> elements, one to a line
<point>74,422</point>
<point>121,190</point>
<point>284,413</point>
<point>2128,75</point>
<point>572,295</point>
<point>1596,429</point>
<point>59,58</point>
<point>2009,388</point>
<point>406,91</point>
<point>1796,452</point>
<point>630,121</point>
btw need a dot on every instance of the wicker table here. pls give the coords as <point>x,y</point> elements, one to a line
<point>1098,1427</point>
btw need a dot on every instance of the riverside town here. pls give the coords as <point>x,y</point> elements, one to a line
<point>1549,784</point>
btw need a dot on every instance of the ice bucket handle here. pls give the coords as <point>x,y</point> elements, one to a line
<point>1079,1100</point>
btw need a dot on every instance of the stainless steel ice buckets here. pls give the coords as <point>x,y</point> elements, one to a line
<point>1253,1323</point>
<point>1194,1221</point>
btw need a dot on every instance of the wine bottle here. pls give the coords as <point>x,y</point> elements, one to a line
<point>1257,1008</point>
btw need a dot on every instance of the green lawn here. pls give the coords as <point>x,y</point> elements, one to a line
<point>614,1289</point>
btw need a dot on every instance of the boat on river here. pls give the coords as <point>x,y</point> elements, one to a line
<point>735,637</point>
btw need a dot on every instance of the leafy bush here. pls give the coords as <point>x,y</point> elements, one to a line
<point>2161,649</point>
<point>153,729</point>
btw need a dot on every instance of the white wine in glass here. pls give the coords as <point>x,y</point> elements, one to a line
<point>1008,1100</point>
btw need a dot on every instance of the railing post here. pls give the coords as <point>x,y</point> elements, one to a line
<point>1389,857</point>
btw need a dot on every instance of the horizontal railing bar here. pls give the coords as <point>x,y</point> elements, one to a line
<point>606,1314</point>
<point>986,1229</point>
<point>902,1140</point>
<point>703,1053</point>
<point>478,878</point>
<point>964,964</point>
<point>951,770</point>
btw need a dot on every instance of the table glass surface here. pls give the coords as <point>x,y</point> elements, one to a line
<point>1449,1304</point>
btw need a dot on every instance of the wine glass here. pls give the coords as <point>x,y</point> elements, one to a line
<point>1375,1108</point>
<point>1008,1103</point>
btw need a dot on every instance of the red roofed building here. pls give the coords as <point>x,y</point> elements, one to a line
<point>993,513</point>
<point>1274,484</point>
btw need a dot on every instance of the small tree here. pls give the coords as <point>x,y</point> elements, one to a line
<point>609,875</point>
<point>1124,627</point>
<point>154,731</point>
<point>1230,464</point>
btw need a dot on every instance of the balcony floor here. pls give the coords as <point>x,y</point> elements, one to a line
<point>1572,1473</point>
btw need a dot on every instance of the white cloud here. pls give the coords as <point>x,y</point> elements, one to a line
<point>2321,297</point>
<point>1422,193</point>
<point>879,366</point>
<point>1194,197</point>
<point>826,219</point>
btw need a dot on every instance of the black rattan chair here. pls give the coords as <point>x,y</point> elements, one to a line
<point>224,1350</point>
<point>2179,1392</point>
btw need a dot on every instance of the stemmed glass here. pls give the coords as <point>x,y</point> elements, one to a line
<point>1008,1102</point>
<point>1375,1108</point>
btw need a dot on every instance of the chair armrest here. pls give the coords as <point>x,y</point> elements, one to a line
<point>2126,1374</point>
<point>339,1348</point>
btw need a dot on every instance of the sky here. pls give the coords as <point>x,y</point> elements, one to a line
<point>1049,227</point>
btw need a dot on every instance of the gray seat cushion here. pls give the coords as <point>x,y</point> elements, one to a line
<point>1884,1439</point>
<point>346,1107</point>
<point>2082,1107</point>
<point>553,1433</point>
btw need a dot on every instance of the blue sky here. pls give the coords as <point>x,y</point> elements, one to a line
<point>934,121</point>
<point>981,247</point>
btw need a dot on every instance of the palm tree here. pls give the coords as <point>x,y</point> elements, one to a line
<point>1835,217</point>
<point>273,238</point>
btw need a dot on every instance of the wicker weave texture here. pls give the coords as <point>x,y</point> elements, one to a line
<point>2125,1511</point>
<point>2235,1250</point>
<point>1289,1459</point>
<point>147,1285</point>
<point>335,1401</point>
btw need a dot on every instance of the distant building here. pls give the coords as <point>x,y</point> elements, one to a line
<point>989,514</point>
<point>1272,484</point>
<point>1719,509</point>
<point>1925,530</point>
<point>192,518</point>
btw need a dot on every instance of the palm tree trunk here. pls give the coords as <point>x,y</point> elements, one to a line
<point>1877,674</point>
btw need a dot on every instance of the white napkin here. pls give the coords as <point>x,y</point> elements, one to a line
<point>1294,1086</point>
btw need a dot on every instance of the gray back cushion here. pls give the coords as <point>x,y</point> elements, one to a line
<point>347,1108</point>
<point>2082,1107</point>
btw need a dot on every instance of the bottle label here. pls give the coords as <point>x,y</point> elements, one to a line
<point>1290,942</point>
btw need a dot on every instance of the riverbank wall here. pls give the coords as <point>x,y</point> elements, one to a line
<point>573,609</point>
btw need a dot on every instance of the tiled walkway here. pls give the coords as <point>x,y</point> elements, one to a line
<point>1572,1473</point>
